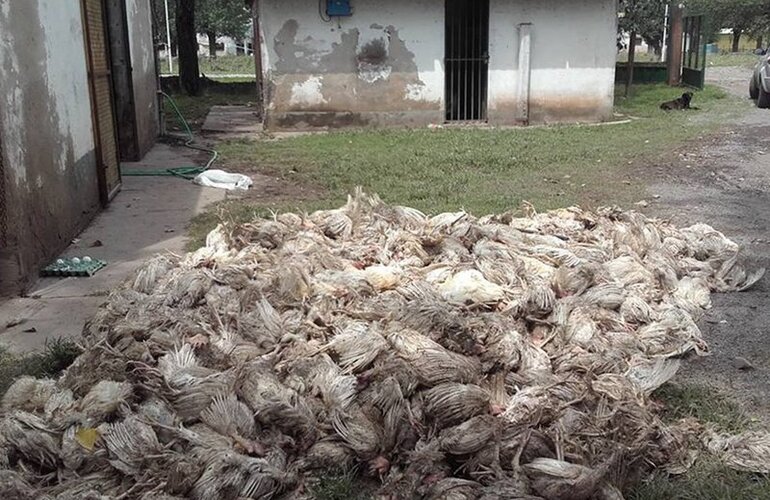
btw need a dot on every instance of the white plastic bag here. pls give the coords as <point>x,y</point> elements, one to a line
<point>223,180</point>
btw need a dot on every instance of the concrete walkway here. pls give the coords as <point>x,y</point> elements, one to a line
<point>232,122</point>
<point>147,217</point>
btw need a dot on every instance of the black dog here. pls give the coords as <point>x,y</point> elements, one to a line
<point>680,103</point>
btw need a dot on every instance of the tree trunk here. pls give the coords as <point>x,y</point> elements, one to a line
<point>760,39</point>
<point>631,58</point>
<point>257,49</point>
<point>675,46</point>
<point>212,44</point>
<point>189,72</point>
<point>737,39</point>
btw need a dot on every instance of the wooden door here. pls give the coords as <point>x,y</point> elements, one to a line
<point>102,100</point>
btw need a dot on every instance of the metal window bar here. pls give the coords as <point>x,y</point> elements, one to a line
<point>466,62</point>
<point>696,46</point>
<point>685,45</point>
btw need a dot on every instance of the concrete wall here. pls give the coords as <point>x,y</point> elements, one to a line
<point>573,52</point>
<point>139,22</point>
<point>47,153</point>
<point>385,64</point>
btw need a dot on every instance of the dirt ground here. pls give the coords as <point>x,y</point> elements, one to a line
<point>724,180</point>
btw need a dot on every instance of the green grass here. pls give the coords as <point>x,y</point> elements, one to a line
<point>233,79</point>
<point>702,403</point>
<point>481,170</point>
<point>645,101</point>
<point>223,65</point>
<point>707,480</point>
<point>341,486</point>
<point>484,170</point>
<point>638,57</point>
<point>55,358</point>
<point>741,59</point>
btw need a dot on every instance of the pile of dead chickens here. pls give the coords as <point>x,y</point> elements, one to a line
<point>440,357</point>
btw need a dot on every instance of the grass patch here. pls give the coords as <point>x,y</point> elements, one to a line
<point>222,65</point>
<point>57,355</point>
<point>739,59</point>
<point>638,57</point>
<point>233,79</point>
<point>645,102</point>
<point>481,170</point>
<point>341,486</point>
<point>485,170</point>
<point>707,480</point>
<point>702,403</point>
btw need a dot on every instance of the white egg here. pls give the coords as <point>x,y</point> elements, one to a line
<point>87,259</point>
<point>60,261</point>
<point>75,260</point>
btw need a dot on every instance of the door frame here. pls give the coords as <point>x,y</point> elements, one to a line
<point>117,35</point>
<point>105,196</point>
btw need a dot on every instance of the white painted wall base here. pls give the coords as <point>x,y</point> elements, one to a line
<point>388,58</point>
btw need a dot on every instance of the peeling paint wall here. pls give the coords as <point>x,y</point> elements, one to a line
<point>139,21</point>
<point>46,133</point>
<point>385,63</point>
<point>572,56</point>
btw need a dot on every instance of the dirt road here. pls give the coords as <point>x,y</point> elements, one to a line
<point>724,180</point>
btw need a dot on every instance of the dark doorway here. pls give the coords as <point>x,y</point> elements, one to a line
<point>122,79</point>
<point>466,60</point>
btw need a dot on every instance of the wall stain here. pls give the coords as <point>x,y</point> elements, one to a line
<point>286,48</point>
<point>319,120</point>
<point>54,194</point>
<point>379,75</point>
<point>373,52</point>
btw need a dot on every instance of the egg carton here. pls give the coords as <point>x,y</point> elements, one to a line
<point>76,266</point>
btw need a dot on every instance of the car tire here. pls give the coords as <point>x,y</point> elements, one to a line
<point>753,89</point>
<point>763,101</point>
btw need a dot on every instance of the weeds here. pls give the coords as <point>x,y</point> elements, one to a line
<point>340,485</point>
<point>702,403</point>
<point>707,480</point>
<point>57,355</point>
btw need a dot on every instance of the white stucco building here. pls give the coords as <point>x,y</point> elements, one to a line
<point>419,62</point>
<point>78,93</point>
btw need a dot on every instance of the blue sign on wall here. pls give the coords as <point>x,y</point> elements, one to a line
<point>338,8</point>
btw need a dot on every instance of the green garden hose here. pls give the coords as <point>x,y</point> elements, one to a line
<point>188,173</point>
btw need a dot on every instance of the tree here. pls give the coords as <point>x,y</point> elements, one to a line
<point>643,18</point>
<point>741,16</point>
<point>189,72</point>
<point>222,18</point>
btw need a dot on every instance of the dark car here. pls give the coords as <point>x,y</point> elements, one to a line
<point>759,88</point>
